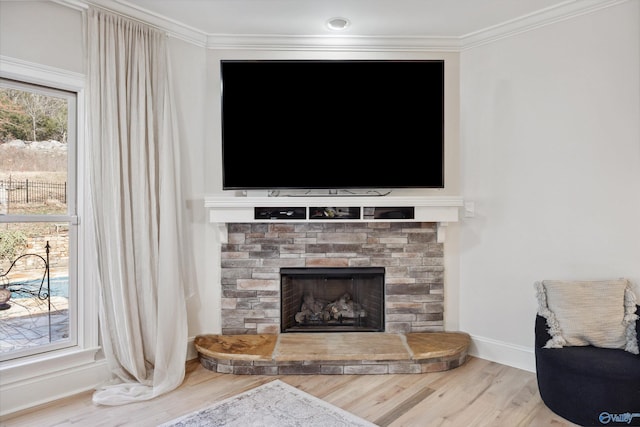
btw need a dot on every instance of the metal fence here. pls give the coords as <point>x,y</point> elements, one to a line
<point>27,191</point>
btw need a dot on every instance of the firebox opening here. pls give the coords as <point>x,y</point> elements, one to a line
<point>334,299</point>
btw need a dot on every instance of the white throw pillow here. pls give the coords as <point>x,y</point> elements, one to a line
<point>597,313</point>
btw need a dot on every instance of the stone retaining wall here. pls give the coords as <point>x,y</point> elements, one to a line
<point>58,254</point>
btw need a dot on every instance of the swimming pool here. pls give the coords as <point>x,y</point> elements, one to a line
<point>59,287</point>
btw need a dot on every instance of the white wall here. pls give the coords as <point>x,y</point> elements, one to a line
<point>550,143</point>
<point>190,79</point>
<point>42,32</point>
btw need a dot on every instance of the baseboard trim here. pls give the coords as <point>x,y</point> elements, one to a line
<point>26,394</point>
<point>192,353</point>
<point>502,352</point>
<point>46,388</point>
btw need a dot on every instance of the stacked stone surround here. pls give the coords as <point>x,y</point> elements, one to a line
<point>255,252</point>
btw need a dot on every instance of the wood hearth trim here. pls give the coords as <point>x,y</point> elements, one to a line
<point>263,354</point>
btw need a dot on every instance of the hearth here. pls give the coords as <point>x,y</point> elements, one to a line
<point>336,299</point>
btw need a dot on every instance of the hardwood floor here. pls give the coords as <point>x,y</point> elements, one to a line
<point>479,393</point>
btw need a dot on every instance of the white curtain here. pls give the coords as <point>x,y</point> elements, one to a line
<point>137,205</point>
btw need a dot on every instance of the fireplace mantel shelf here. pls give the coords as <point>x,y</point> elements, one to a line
<point>234,209</point>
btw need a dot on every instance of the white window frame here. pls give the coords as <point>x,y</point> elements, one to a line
<point>77,367</point>
<point>71,217</point>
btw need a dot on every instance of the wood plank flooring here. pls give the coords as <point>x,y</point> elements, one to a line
<point>478,393</point>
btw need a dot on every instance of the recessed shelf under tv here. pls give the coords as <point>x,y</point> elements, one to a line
<point>224,209</point>
<point>331,213</point>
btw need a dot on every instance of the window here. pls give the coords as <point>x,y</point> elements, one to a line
<point>38,219</point>
<point>74,363</point>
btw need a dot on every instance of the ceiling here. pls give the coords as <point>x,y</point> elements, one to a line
<point>377,18</point>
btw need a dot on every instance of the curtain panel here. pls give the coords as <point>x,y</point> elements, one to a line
<point>136,203</point>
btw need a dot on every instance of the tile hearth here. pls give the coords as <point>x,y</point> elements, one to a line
<point>335,353</point>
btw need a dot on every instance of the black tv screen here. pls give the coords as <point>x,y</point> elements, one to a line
<point>332,124</point>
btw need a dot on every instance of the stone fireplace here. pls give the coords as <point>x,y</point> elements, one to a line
<point>255,252</point>
<point>267,240</point>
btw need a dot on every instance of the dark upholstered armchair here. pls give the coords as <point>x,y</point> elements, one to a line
<point>589,386</point>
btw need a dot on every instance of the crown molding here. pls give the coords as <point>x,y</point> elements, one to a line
<point>564,11</point>
<point>173,28</point>
<point>333,43</point>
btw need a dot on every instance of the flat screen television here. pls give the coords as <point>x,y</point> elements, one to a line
<point>332,124</point>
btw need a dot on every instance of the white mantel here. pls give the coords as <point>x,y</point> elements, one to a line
<point>235,209</point>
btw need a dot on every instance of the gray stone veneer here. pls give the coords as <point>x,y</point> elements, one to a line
<point>255,252</point>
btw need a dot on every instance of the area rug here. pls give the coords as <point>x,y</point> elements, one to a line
<point>273,404</point>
